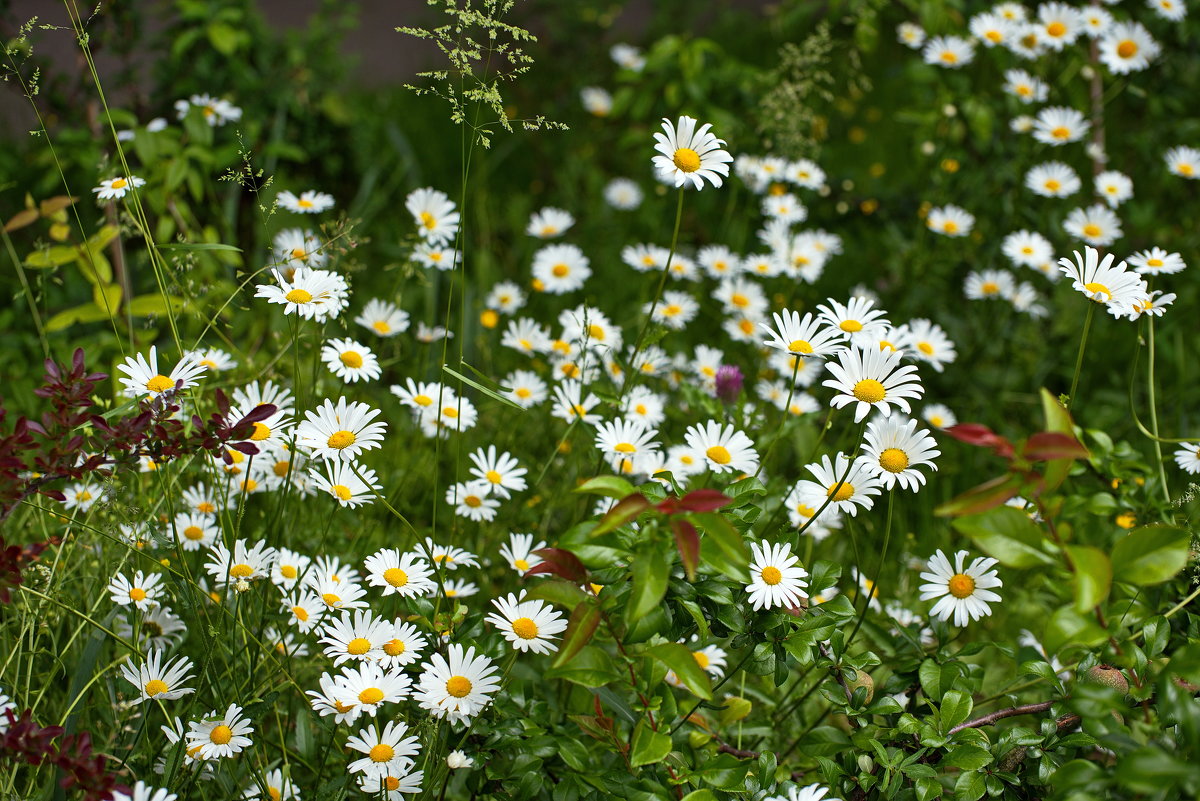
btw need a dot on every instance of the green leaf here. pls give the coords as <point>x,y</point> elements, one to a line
<point>937,679</point>
<point>966,757</point>
<point>490,393</point>
<point>147,305</point>
<point>563,593</point>
<point>927,789</point>
<point>199,246</point>
<point>1058,419</point>
<point>1150,554</point>
<point>956,708</point>
<point>1067,626</point>
<point>735,709</point>
<point>87,313</point>
<point>969,787</point>
<point>224,38</point>
<point>700,795</point>
<point>609,486</point>
<point>52,257</point>
<point>650,569</point>
<point>1093,576</point>
<point>1006,534</point>
<point>95,266</point>
<point>649,746</point>
<point>107,297</point>
<point>728,540</point>
<point>582,625</point>
<point>679,659</point>
<point>591,667</point>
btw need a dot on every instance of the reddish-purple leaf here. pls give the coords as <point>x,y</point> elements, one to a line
<point>704,500</point>
<point>981,436</point>
<point>585,618</point>
<point>560,563</point>
<point>687,539</point>
<point>1047,445</point>
<point>981,498</point>
<point>623,512</point>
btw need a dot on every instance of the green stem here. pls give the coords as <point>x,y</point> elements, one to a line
<point>787,410</point>
<point>1162,470</point>
<point>887,537</point>
<point>1087,325</point>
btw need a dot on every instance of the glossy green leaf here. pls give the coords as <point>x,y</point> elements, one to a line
<point>591,667</point>
<point>649,746</point>
<point>1093,576</point>
<point>679,658</point>
<point>1006,534</point>
<point>1068,627</point>
<point>1150,554</point>
<point>651,569</point>
<point>609,486</point>
<point>956,708</point>
<point>580,628</point>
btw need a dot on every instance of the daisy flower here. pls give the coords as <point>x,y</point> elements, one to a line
<point>990,28</point>
<point>1058,125</point>
<point>385,319</point>
<point>370,685</point>
<point>434,213</point>
<point>1155,304</point>
<point>398,573</point>
<point>803,336</point>
<point>81,495</point>
<point>159,628</point>
<point>938,416</point>
<point>1156,261</point>
<point>930,344</point>
<point>624,439</point>
<point>457,686</point>
<point>596,101</point>
<point>570,403</point>
<point>288,568</point>
<point>448,556</point>
<point>427,334</point>
<point>457,588</point>
<point>718,261</point>
<point>296,247</point>
<point>142,591</point>
<point>404,646</point>
<point>143,792</point>
<point>142,377</point>
<point>560,268</point>
<point>335,594</point>
<point>277,787</point>
<point>1128,47</point>
<point>527,625</point>
<point>1052,179</point>
<point>1096,21</point>
<point>471,499</point>
<point>387,752</point>
<point>848,485</point>
<point>1115,286</point>
<point>525,388</point>
<point>872,379</point>
<point>910,35</point>
<point>115,188</point>
<point>350,484</point>
<point>1027,248</point>
<point>158,680</point>
<point>989,285</point>
<point>1184,162</point>
<point>243,563</point>
<point>214,737</point>
<point>723,448</point>
<point>812,792</point>
<point>776,577</point>
<point>804,510</point>
<point>894,449</point>
<point>622,194</point>
<point>518,552</point>
<point>1025,87</point>
<point>740,295</point>
<point>308,293</point>
<point>963,593</point>
<point>355,638</point>
<point>436,255</point>
<point>350,360</point>
<point>1059,24</point>
<point>506,297</point>
<point>951,52</point>
<point>502,471</point>
<point>306,611</point>
<point>690,155</point>
<point>858,318</point>
<point>214,110</point>
<point>950,221</point>
<point>1173,10</point>
<point>309,202</point>
<point>393,787</point>
<point>1187,456</point>
<point>341,430</point>
<point>674,311</point>
<point>549,223</point>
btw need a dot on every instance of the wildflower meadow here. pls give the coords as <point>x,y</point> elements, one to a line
<point>531,399</point>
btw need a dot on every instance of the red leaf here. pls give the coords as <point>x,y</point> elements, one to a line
<point>687,539</point>
<point>624,511</point>
<point>1047,445</point>
<point>981,436</point>
<point>560,563</point>
<point>704,500</point>
<point>981,498</point>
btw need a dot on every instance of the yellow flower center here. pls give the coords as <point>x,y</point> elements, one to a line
<point>893,460</point>
<point>274,793</point>
<point>137,594</point>
<point>394,647</point>
<point>989,288</point>
<point>961,585</point>
<point>493,476</point>
<point>352,359</point>
<point>358,646</point>
<point>936,421</point>
<point>686,159</point>
<point>1099,289</point>
<point>261,432</point>
<point>739,300</point>
<point>458,686</point>
<point>381,327</point>
<point>330,599</point>
<point>560,270</point>
<point>371,695</point>
<point>428,220</point>
<point>771,575</point>
<point>391,783</point>
<point>288,571</point>
<point>204,507</point>
<point>473,501</point>
<point>800,346</point>
<point>193,533</point>
<point>119,183</point>
<point>299,253</point>
<point>671,310</point>
<point>523,393</point>
<point>851,326</point>
<point>342,492</point>
<point>525,628</point>
<point>925,348</point>
<point>1061,132</point>
<point>298,296</point>
<point>341,439</point>
<point>625,447</point>
<point>160,383</point>
<point>950,227</point>
<point>221,735</point>
<point>1154,262</point>
<point>844,493</point>
<point>281,468</point>
<point>241,571</point>
<point>521,564</point>
<point>869,391</point>
<point>1056,29</point>
<point>746,326</point>
<point>450,411</point>
<point>395,576</point>
<point>155,686</point>
<point>1053,185</point>
<point>805,510</point>
<point>1092,230</point>
<point>1184,168</point>
<point>382,753</point>
<point>994,35</point>
<point>719,454</point>
<point>949,57</point>
<point>701,658</point>
<point>343,708</point>
<point>301,613</point>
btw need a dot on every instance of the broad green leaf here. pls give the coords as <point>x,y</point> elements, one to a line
<point>1093,576</point>
<point>966,757</point>
<point>1006,534</point>
<point>1058,419</point>
<point>649,746</point>
<point>582,625</point>
<point>1150,554</point>
<point>1067,626</point>
<point>591,667</point>
<point>563,593</point>
<point>102,238</point>
<point>956,708</point>
<point>700,795</point>
<point>680,659</point>
<point>609,486</point>
<point>147,305</point>
<point>735,709</point>
<point>969,787</point>
<point>107,297</point>
<point>937,679</point>
<point>95,266</point>
<point>928,789</point>
<point>650,569</point>
<point>52,257</point>
<point>87,313</point>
